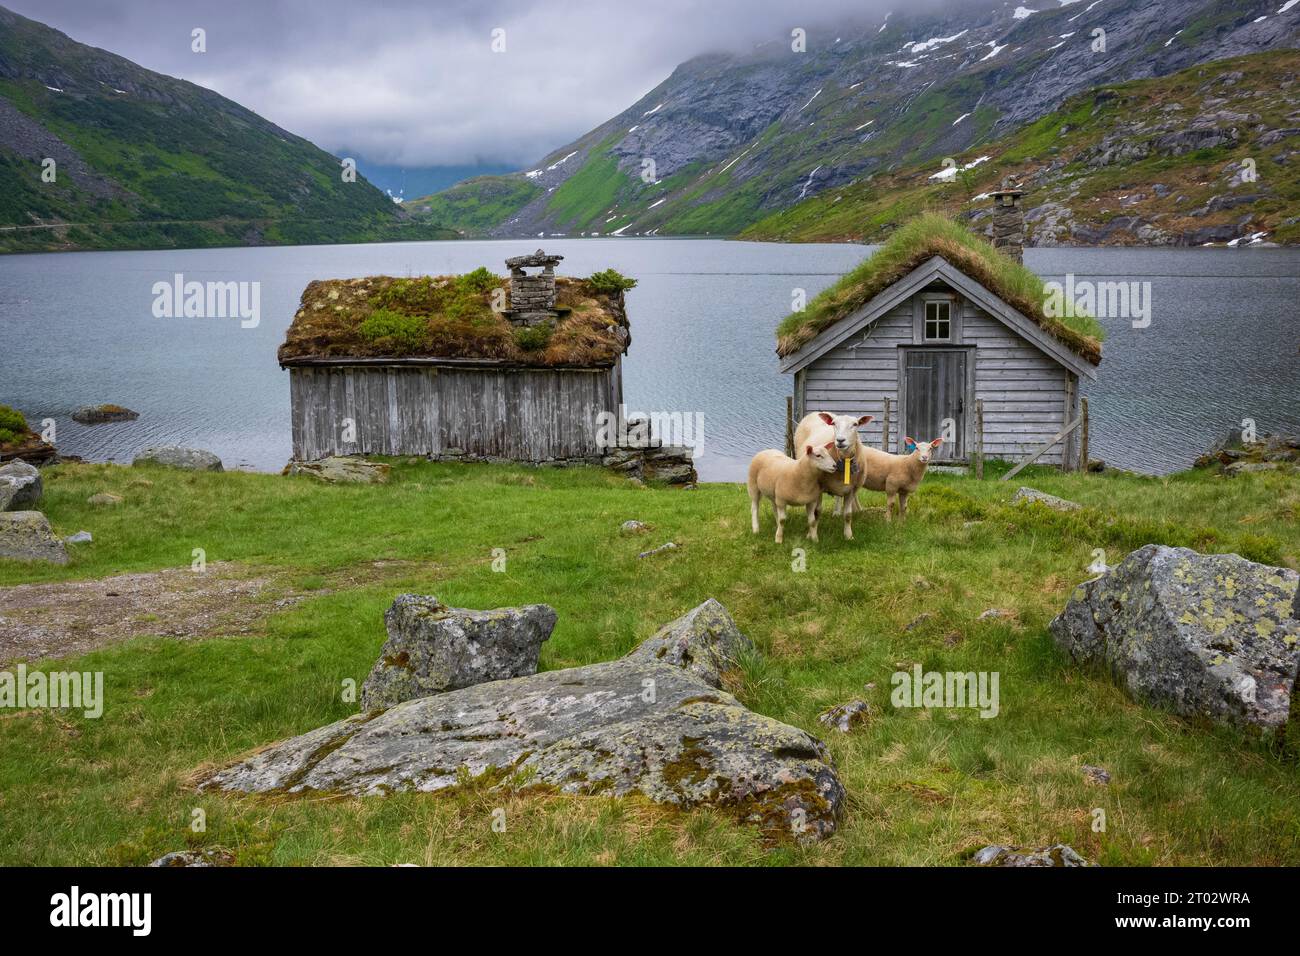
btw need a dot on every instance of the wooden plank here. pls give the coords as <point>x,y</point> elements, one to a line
<point>1083,436</point>
<point>1038,454</point>
<point>979,439</point>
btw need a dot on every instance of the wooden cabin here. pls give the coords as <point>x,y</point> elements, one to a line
<point>456,367</point>
<point>938,342</point>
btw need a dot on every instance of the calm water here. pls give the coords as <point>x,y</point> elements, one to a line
<point>78,329</point>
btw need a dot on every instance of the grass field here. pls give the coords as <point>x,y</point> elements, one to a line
<point>925,787</point>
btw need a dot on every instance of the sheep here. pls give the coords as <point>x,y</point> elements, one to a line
<point>896,475</point>
<point>787,481</point>
<point>818,428</point>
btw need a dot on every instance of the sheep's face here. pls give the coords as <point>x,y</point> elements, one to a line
<point>922,449</point>
<point>823,458</point>
<point>846,429</point>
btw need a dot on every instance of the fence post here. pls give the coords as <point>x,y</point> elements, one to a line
<point>1083,441</point>
<point>979,438</point>
<point>789,425</point>
<point>884,439</point>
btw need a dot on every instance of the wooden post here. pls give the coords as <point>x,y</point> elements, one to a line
<point>789,425</point>
<point>884,440</point>
<point>1083,440</point>
<point>979,438</point>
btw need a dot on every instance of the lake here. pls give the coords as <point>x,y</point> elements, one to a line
<point>78,329</point>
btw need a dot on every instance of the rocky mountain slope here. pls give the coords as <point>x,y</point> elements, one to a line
<point>145,160</point>
<point>1208,155</point>
<point>728,140</point>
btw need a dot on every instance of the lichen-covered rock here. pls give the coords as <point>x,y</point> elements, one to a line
<point>20,486</point>
<point>180,858</point>
<point>704,640</point>
<point>616,728</point>
<point>26,536</point>
<point>173,456</point>
<point>652,723</point>
<point>1058,854</point>
<point>100,414</point>
<point>844,716</point>
<point>1203,635</point>
<point>1024,494</point>
<point>341,470</point>
<point>432,648</point>
<point>104,499</point>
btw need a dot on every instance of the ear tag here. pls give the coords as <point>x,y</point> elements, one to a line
<point>847,467</point>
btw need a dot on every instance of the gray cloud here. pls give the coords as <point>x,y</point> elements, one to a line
<point>416,84</point>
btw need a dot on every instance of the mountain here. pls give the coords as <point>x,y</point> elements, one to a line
<point>1208,155</point>
<point>419,181</point>
<point>146,160</point>
<point>729,140</point>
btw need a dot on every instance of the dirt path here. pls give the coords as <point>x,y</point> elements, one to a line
<point>71,617</point>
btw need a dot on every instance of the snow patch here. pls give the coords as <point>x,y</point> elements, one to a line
<point>994,52</point>
<point>949,173</point>
<point>923,45</point>
<point>960,118</point>
<point>809,103</point>
<point>653,111</point>
<point>1287,6</point>
<point>1023,12</point>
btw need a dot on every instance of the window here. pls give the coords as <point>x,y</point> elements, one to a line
<point>938,320</point>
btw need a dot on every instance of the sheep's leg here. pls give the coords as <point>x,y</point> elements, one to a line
<point>889,506</point>
<point>813,512</point>
<point>839,504</point>
<point>780,523</point>
<point>848,520</point>
<point>753,511</point>
<point>902,506</point>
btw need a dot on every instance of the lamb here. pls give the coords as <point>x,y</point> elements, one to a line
<point>818,428</point>
<point>787,481</point>
<point>896,475</point>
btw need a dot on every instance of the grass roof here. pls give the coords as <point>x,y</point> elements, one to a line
<point>910,246</point>
<point>452,317</point>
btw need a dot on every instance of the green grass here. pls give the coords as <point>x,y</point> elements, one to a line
<point>924,787</point>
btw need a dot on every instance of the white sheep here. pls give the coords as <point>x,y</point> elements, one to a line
<point>787,481</point>
<point>896,475</point>
<point>841,431</point>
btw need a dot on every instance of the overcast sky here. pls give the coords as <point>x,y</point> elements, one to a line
<point>416,83</point>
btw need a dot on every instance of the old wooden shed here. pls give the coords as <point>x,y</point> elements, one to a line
<point>940,323</point>
<point>456,367</point>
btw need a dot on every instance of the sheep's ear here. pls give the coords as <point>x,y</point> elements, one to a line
<point>936,443</point>
<point>830,446</point>
<point>909,444</point>
<point>808,451</point>
<point>826,417</point>
<point>865,418</point>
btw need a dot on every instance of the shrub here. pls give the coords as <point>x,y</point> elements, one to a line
<point>533,338</point>
<point>400,332</point>
<point>610,282</point>
<point>13,426</point>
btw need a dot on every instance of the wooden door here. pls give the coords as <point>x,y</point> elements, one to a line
<point>934,394</point>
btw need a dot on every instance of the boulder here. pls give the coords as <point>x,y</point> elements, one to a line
<point>844,716</point>
<point>179,858</point>
<point>640,725</point>
<point>432,648</point>
<point>81,537</point>
<point>341,469</point>
<point>1024,494</point>
<point>704,641</point>
<point>1203,635</point>
<point>173,456</point>
<point>99,414</point>
<point>104,499</point>
<point>20,485</point>
<point>26,536</point>
<point>1058,854</point>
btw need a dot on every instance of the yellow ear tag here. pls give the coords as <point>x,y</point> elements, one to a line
<point>846,470</point>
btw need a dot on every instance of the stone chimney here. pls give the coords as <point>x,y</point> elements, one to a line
<point>1009,220</point>
<point>532,297</point>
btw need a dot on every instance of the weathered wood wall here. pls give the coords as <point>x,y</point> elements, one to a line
<point>520,414</point>
<point>1026,392</point>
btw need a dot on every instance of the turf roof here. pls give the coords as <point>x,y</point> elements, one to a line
<point>912,245</point>
<point>451,317</point>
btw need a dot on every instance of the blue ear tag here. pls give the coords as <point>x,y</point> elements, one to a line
<point>910,446</point>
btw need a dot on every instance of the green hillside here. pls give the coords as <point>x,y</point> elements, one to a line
<point>145,160</point>
<point>1161,160</point>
